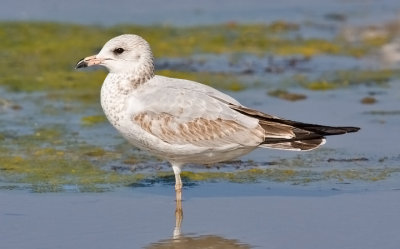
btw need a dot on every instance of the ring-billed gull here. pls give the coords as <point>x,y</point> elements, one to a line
<point>183,121</point>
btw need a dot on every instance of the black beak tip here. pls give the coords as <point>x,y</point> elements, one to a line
<point>81,64</point>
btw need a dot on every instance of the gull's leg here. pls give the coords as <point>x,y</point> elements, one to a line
<point>178,181</point>
<point>178,220</point>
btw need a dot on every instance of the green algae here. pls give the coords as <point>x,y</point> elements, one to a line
<point>50,159</point>
<point>307,48</point>
<point>93,120</point>
<point>42,56</point>
<point>367,76</point>
<point>343,79</point>
<point>369,174</point>
<point>50,168</point>
<point>292,175</point>
<point>283,94</point>
<point>53,172</point>
<point>47,133</point>
<point>321,85</point>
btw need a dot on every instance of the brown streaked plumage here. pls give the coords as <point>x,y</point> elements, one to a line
<point>199,131</point>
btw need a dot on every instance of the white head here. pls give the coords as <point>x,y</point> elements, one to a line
<point>127,54</point>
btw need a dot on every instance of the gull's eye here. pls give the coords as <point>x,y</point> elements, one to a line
<point>118,51</point>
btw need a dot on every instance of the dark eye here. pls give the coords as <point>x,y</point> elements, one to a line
<point>118,51</point>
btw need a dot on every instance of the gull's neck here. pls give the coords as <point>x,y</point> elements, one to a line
<point>115,91</point>
<point>135,76</point>
<point>140,74</point>
<point>118,85</point>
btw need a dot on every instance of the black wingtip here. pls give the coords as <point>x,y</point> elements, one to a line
<point>81,64</point>
<point>351,129</point>
<point>329,130</point>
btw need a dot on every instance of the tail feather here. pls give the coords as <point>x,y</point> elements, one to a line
<point>303,136</point>
<point>320,129</point>
<point>298,145</point>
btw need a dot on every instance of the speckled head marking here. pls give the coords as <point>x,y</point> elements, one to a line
<point>125,54</point>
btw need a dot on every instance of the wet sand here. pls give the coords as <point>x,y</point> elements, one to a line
<point>232,216</point>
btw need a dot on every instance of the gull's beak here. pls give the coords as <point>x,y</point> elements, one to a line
<point>89,61</point>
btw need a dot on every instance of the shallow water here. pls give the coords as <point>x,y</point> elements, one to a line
<point>68,179</point>
<point>180,12</point>
<point>253,217</point>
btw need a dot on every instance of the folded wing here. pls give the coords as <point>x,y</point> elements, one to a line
<point>190,114</point>
<point>195,118</point>
<point>305,136</point>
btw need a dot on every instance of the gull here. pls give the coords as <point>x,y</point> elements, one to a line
<point>184,121</point>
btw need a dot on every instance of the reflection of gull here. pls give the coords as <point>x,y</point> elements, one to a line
<point>184,121</point>
<point>180,241</point>
<point>197,242</point>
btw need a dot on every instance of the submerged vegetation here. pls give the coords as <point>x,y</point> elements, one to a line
<point>283,94</point>
<point>51,159</point>
<point>42,56</point>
